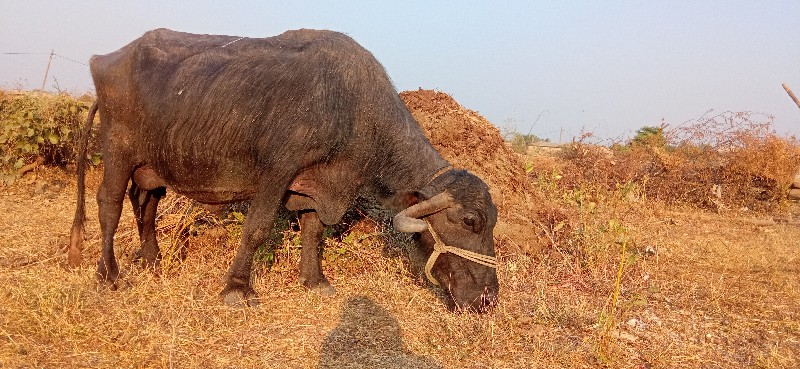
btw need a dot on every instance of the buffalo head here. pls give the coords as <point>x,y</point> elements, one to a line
<point>456,217</point>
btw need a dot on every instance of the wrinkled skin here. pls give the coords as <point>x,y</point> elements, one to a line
<point>307,120</point>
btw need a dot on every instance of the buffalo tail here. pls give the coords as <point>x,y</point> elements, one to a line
<point>77,233</point>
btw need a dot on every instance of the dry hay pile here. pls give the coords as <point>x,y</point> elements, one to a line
<point>469,141</point>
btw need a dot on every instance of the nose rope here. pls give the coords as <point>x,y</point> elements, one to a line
<point>440,248</point>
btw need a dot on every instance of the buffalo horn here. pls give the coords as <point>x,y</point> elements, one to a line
<point>408,219</point>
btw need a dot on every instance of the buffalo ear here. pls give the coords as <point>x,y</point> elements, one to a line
<point>417,196</point>
<point>404,200</point>
<point>426,193</point>
<point>411,198</point>
<point>409,219</point>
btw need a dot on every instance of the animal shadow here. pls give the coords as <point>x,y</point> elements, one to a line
<point>368,337</point>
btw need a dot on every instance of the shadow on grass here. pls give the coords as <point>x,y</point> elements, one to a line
<point>368,337</point>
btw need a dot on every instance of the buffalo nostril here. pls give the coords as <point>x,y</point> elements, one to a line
<point>488,298</point>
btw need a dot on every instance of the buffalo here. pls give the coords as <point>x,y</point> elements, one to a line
<point>308,120</point>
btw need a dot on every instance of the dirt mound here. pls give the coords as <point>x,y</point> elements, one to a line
<point>469,141</point>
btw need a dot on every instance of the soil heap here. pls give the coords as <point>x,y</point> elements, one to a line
<point>469,141</point>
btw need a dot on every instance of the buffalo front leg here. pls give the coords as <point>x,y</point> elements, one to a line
<point>110,196</point>
<point>311,275</point>
<point>145,205</point>
<point>260,217</point>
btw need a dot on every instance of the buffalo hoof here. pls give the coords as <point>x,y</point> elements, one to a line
<point>153,266</point>
<point>107,275</point>
<point>118,283</point>
<point>73,259</point>
<point>111,285</point>
<point>240,297</point>
<point>148,262</point>
<point>323,288</point>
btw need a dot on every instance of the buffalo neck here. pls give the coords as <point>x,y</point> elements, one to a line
<point>410,162</point>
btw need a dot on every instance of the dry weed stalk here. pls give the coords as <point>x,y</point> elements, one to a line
<point>609,314</point>
<point>177,218</point>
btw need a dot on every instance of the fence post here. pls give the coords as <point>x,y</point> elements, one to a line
<point>791,94</point>
<point>52,52</point>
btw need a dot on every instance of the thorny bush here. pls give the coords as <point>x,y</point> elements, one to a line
<point>729,161</point>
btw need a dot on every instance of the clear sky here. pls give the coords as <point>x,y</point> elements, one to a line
<point>552,68</point>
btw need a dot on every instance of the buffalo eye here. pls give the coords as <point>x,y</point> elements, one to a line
<point>471,222</point>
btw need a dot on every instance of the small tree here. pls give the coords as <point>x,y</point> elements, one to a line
<point>520,142</point>
<point>649,136</point>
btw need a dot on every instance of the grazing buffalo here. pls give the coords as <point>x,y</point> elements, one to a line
<point>308,120</point>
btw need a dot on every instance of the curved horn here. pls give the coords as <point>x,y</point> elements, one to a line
<point>408,220</point>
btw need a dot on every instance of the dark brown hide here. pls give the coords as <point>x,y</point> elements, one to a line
<point>307,119</point>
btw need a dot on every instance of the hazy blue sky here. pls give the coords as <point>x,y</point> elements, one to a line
<point>606,67</point>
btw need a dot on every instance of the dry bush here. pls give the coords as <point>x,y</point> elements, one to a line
<point>602,201</point>
<point>729,161</point>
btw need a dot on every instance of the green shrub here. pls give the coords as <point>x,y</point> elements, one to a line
<point>520,142</point>
<point>650,136</point>
<point>39,127</point>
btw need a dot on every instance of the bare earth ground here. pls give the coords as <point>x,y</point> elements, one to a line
<point>700,291</point>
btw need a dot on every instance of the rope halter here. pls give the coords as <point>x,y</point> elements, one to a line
<point>440,248</point>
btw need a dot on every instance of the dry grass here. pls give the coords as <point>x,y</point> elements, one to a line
<point>729,293</point>
<point>696,291</point>
<point>626,273</point>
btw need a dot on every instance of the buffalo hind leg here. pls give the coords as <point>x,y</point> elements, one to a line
<point>145,205</point>
<point>110,196</point>
<point>260,218</point>
<point>311,275</point>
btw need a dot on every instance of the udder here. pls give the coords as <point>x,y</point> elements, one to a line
<point>147,178</point>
